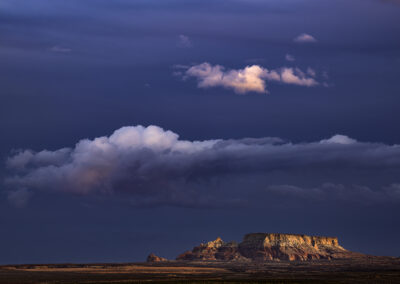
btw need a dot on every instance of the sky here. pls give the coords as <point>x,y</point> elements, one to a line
<point>136,126</point>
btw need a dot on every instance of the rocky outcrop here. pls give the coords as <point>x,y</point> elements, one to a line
<point>154,258</point>
<point>214,250</point>
<point>265,246</point>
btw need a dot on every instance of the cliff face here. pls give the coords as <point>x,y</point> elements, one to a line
<point>291,247</point>
<point>214,250</point>
<point>154,258</point>
<point>263,246</point>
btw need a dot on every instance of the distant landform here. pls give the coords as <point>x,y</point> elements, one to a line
<point>267,247</point>
<point>259,258</point>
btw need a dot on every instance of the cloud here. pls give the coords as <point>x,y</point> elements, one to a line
<point>339,139</point>
<point>311,72</point>
<point>249,79</point>
<point>304,38</point>
<point>290,58</point>
<point>297,77</point>
<point>60,49</point>
<point>20,197</point>
<point>184,41</point>
<point>23,158</point>
<point>153,166</point>
<point>338,192</point>
<point>393,191</point>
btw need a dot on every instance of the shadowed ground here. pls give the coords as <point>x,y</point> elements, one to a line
<point>368,269</point>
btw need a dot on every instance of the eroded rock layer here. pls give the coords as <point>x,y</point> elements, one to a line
<point>214,250</point>
<point>154,258</point>
<point>264,246</point>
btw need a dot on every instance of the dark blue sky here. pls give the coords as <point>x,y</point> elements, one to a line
<point>73,70</point>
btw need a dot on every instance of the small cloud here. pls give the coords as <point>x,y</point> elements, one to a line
<point>290,58</point>
<point>179,74</point>
<point>393,190</point>
<point>24,159</point>
<point>19,197</point>
<point>311,72</point>
<point>20,160</point>
<point>326,82</point>
<point>339,139</point>
<point>295,76</point>
<point>304,38</point>
<point>60,49</point>
<point>249,79</point>
<point>184,41</point>
<point>180,66</point>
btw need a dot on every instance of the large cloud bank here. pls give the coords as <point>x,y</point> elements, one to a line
<point>152,165</point>
<point>249,79</point>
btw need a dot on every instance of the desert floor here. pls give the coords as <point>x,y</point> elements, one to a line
<point>366,270</point>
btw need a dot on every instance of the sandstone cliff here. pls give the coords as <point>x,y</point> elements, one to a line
<point>214,250</point>
<point>154,258</point>
<point>264,246</point>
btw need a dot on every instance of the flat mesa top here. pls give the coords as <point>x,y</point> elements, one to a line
<point>289,235</point>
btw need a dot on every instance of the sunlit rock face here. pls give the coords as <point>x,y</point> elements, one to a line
<point>270,247</point>
<point>261,246</point>
<point>154,258</point>
<point>214,250</point>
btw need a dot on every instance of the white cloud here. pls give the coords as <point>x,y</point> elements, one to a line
<point>290,58</point>
<point>42,158</point>
<point>249,79</point>
<point>184,41</point>
<point>92,162</point>
<point>152,165</point>
<point>339,139</point>
<point>296,77</point>
<point>304,38</point>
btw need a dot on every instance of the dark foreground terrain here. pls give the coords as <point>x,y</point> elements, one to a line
<point>367,269</point>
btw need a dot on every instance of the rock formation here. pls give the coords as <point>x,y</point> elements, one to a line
<point>214,250</point>
<point>291,247</point>
<point>264,247</point>
<point>154,258</point>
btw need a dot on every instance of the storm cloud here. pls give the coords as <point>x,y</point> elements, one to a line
<point>153,165</point>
